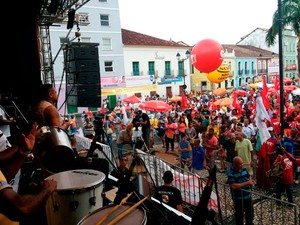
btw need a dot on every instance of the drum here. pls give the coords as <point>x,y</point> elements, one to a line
<point>79,192</point>
<point>135,217</point>
<point>55,149</point>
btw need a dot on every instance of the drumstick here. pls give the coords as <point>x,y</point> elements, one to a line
<point>126,212</point>
<point>113,209</point>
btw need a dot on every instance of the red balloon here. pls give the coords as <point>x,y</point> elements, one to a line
<point>207,55</point>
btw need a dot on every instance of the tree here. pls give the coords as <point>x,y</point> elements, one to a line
<point>290,17</point>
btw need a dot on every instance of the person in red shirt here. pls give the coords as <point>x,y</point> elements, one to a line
<point>266,156</point>
<point>275,122</point>
<point>286,183</point>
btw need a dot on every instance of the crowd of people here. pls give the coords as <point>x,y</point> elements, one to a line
<point>204,134</point>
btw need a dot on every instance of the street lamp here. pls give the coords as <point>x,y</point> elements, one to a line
<point>181,67</point>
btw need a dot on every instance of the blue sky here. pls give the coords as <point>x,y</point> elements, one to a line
<point>225,21</point>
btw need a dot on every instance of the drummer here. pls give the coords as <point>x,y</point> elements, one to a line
<point>45,112</point>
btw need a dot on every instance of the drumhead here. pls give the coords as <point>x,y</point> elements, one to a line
<point>135,217</point>
<point>77,179</point>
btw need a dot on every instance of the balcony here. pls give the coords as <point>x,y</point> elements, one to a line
<point>264,71</point>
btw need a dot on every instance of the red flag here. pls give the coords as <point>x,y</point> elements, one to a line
<point>183,100</point>
<point>264,93</point>
<point>236,104</point>
<point>276,83</point>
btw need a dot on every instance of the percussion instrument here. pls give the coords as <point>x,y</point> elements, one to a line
<point>79,192</point>
<point>55,149</point>
<point>136,217</point>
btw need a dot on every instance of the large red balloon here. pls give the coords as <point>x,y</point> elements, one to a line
<point>207,55</point>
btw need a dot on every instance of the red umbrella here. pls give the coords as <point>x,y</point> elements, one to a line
<point>132,99</point>
<point>240,92</point>
<point>155,106</point>
<point>290,87</point>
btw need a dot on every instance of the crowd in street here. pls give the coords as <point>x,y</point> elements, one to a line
<point>204,133</point>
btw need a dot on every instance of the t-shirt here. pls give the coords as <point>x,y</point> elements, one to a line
<point>3,184</point>
<point>244,149</point>
<point>169,195</point>
<point>287,175</point>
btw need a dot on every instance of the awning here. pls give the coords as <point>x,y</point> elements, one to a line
<point>128,90</point>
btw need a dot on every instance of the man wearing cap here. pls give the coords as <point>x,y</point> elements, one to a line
<point>169,194</point>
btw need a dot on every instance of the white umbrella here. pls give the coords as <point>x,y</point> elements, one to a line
<point>260,85</point>
<point>296,91</point>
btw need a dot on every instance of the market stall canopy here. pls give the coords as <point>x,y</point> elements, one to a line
<point>155,106</point>
<point>132,99</point>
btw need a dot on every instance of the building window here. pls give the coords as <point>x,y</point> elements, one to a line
<point>151,68</point>
<point>108,66</point>
<point>136,68</point>
<point>104,20</point>
<point>168,68</point>
<point>106,44</point>
<point>180,68</point>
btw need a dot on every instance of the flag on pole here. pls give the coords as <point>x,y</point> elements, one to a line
<point>261,117</point>
<point>264,93</point>
<point>183,100</point>
<point>236,104</point>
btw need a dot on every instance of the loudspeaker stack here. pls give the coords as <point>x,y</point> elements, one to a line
<point>83,75</point>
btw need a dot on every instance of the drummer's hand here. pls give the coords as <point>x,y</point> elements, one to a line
<point>50,185</point>
<point>27,142</point>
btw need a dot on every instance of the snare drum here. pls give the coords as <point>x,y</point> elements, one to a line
<point>79,192</point>
<point>135,217</point>
<point>55,149</point>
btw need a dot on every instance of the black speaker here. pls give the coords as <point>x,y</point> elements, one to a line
<point>83,75</point>
<point>83,78</point>
<point>84,90</point>
<point>84,53</point>
<point>88,95</point>
<point>90,65</point>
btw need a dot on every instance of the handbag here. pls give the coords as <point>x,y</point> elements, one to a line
<point>275,173</point>
<point>109,130</point>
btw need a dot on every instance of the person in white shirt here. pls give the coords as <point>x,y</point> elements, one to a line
<point>248,130</point>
